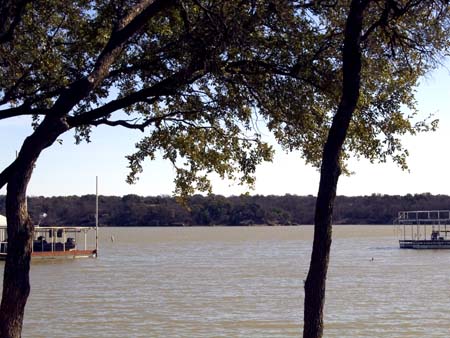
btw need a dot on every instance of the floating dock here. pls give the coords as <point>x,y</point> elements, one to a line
<point>57,242</point>
<point>424,229</point>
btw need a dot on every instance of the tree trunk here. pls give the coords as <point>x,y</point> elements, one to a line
<point>16,283</point>
<point>329,174</point>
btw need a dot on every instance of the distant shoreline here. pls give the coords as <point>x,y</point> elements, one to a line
<point>245,210</point>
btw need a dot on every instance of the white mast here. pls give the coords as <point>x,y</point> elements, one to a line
<point>96,215</point>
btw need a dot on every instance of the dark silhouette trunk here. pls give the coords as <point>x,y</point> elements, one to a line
<point>16,282</point>
<point>16,286</point>
<point>329,175</point>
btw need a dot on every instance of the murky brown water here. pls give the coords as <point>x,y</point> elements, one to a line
<point>239,282</point>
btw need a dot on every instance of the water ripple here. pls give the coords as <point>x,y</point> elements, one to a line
<point>238,282</point>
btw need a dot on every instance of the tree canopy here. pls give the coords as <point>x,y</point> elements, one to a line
<point>199,78</point>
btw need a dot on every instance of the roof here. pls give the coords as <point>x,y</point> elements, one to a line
<point>2,220</point>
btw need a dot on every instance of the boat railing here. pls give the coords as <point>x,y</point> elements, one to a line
<point>418,225</point>
<point>3,240</point>
<point>60,238</point>
<point>56,239</point>
<point>417,217</point>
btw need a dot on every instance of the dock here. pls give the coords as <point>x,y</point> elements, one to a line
<point>424,229</point>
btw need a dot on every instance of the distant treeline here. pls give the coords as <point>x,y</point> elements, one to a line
<point>133,210</point>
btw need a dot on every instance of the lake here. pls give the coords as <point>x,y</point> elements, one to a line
<point>239,282</point>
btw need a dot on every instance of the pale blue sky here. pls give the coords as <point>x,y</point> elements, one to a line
<point>69,169</point>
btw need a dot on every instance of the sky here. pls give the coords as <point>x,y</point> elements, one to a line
<point>69,169</point>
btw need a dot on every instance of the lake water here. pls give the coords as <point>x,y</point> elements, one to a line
<point>239,282</point>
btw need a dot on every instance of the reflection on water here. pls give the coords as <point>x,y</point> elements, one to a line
<point>238,282</point>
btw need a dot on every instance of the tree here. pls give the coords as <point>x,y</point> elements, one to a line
<point>197,77</point>
<point>386,47</point>
<point>183,71</point>
<point>61,62</point>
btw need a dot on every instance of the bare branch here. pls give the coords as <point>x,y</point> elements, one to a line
<point>123,123</point>
<point>141,126</point>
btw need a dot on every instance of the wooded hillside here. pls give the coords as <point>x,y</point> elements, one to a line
<point>133,210</point>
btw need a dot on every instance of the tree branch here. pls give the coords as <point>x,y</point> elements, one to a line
<point>255,66</point>
<point>22,110</point>
<point>167,86</point>
<point>143,125</point>
<point>128,27</point>
<point>14,13</point>
<point>124,123</point>
<point>391,6</point>
<point>6,173</point>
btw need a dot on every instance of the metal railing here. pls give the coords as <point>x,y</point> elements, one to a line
<point>424,217</point>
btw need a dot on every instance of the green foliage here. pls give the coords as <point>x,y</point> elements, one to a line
<point>200,77</point>
<point>401,42</point>
<point>196,151</point>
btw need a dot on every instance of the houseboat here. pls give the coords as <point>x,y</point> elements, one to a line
<point>424,229</point>
<point>51,242</point>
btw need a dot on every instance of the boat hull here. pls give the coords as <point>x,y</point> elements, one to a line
<point>424,244</point>
<point>72,254</point>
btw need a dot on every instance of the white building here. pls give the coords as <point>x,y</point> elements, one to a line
<point>2,220</point>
